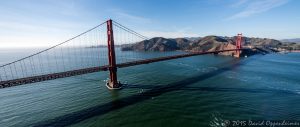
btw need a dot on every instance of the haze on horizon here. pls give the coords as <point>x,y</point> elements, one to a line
<point>35,23</point>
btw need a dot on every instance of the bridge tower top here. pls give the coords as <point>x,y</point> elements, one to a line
<point>238,42</point>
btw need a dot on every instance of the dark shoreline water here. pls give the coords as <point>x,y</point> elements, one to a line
<point>195,91</point>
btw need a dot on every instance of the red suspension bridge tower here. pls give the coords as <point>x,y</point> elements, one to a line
<point>238,44</point>
<point>112,83</point>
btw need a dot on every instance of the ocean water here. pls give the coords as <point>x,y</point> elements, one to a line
<point>193,91</point>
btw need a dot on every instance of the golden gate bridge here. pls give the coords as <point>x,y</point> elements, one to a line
<point>97,49</point>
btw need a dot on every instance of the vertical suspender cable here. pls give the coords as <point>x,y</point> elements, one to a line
<point>0,75</point>
<point>23,73</point>
<point>12,75</point>
<point>63,60</point>
<point>25,68</point>
<point>5,74</point>
<point>55,57</point>
<point>40,63</point>
<point>16,71</point>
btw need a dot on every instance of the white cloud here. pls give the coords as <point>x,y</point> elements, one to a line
<point>256,7</point>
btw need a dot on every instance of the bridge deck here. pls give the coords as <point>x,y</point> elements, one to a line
<point>52,76</point>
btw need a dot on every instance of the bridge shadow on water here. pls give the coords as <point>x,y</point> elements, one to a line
<point>152,91</point>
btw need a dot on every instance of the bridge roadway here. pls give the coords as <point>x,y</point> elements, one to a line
<point>40,78</point>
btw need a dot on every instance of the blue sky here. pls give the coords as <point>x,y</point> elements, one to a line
<point>47,22</point>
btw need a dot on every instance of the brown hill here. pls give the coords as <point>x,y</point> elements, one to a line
<point>208,43</point>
